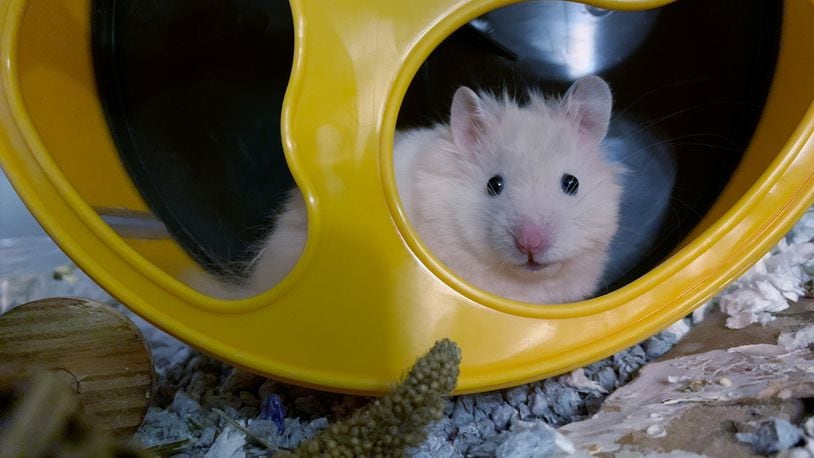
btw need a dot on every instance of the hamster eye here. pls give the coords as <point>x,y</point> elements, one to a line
<point>569,184</point>
<point>495,185</point>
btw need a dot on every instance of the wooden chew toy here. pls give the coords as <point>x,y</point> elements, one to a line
<point>99,353</point>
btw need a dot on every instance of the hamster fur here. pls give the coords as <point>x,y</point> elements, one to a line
<point>520,201</point>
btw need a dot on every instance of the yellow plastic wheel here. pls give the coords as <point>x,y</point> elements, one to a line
<point>354,330</point>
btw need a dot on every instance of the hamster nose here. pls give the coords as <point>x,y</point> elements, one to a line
<point>529,238</point>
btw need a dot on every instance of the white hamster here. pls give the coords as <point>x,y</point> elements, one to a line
<point>520,201</point>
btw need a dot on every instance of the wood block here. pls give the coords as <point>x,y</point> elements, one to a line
<point>93,347</point>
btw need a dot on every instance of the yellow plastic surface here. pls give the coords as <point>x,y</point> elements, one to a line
<point>367,298</point>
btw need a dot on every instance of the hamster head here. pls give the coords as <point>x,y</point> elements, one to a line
<point>533,188</point>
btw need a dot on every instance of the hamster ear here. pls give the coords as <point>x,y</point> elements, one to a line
<point>589,102</point>
<point>467,119</point>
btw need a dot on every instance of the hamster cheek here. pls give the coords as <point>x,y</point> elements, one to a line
<point>497,239</point>
<point>591,227</point>
<point>472,221</point>
<point>577,230</point>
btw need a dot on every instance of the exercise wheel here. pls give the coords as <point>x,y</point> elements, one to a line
<point>84,140</point>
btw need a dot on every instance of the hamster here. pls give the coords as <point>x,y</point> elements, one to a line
<point>518,200</point>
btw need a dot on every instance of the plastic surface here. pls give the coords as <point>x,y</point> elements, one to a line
<point>355,327</point>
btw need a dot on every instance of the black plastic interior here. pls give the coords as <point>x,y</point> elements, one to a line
<point>192,90</point>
